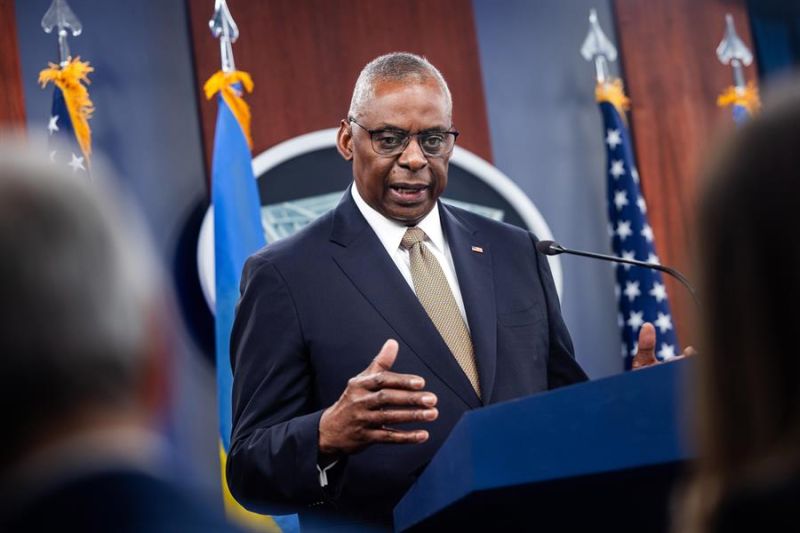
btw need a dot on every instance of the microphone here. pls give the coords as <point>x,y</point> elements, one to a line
<point>553,248</point>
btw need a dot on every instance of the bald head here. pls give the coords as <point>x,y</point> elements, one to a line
<point>395,67</point>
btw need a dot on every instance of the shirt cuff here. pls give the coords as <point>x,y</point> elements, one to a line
<point>323,473</point>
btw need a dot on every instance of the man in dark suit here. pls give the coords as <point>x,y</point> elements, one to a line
<point>468,306</point>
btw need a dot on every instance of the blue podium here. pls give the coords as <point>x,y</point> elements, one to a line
<point>602,455</point>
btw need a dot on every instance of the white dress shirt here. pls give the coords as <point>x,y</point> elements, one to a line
<point>391,233</point>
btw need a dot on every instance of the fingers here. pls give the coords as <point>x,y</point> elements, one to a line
<point>372,402</point>
<point>400,416</point>
<point>388,380</point>
<point>395,436</point>
<point>647,340</point>
<point>689,351</point>
<point>378,376</point>
<point>393,397</point>
<point>385,358</point>
<point>646,353</point>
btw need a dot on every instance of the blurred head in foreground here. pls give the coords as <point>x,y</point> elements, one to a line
<point>81,316</point>
<point>86,336</point>
<point>748,385</point>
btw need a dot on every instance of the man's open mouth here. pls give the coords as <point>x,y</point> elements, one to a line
<point>407,188</point>
<point>409,193</point>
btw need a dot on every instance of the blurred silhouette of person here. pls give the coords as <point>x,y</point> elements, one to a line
<point>747,389</point>
<point>86,333</point>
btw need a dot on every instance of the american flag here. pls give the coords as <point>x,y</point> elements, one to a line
<point>640,291</point>
<point>68,126</point>
<point>63,145</point>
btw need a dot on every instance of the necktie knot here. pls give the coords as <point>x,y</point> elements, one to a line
<point>412,236</point>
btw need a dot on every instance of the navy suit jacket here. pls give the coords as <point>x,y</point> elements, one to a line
<point>316,308</point>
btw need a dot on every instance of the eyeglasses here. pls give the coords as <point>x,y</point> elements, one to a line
<point>391,142</point>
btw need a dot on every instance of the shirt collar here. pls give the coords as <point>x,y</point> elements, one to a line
<point>390,232</point>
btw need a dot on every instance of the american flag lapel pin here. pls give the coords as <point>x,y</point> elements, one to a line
<point>477,249</point>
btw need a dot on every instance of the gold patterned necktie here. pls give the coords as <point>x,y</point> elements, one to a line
<point>435,295</point>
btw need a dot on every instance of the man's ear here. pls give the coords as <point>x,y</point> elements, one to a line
<point>344,140</point>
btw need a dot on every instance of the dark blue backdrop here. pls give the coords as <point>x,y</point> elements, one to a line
<point>776,32</point>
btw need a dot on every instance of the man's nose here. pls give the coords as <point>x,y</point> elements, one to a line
<point>412,157</point>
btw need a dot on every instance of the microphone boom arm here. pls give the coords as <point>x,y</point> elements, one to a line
<point>553,248</point>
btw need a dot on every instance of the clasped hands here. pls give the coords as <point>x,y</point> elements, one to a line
<point>377,398</point>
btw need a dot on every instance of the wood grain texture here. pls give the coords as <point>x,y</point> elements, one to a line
<point>304,58</point>
<point>673,78</point>
<point>12,100</point>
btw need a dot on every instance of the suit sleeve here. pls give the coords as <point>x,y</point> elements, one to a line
<point>274,443</point>
<point>562,368</point>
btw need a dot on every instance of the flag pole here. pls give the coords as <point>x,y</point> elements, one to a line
<point>238,232</point>
<point>732,51</point>
<point>224,28</point>
<point>742,96</point>
<point>598,48</point>
<point>641,293</point>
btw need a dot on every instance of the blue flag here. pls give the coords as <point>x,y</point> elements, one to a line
<point>238,233</point>
<point>641,292</point>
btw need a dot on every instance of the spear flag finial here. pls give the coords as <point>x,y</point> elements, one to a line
<point>60,16</point>
<point>598,48</point>
<point>732,51</point>
<point>224,28</point>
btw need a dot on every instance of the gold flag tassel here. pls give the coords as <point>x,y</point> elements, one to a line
<point>224,82</point>
<point>614,94</point>
<point>747,98</point>
<point>72,80</point>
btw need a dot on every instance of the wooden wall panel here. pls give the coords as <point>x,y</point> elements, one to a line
<point>305,57</point>
<point>12,101</point>
<point>673,77</point>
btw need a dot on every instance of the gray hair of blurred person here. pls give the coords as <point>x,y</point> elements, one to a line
<point>747,390</point>
<point>79,292</point>
<point>395,67</point>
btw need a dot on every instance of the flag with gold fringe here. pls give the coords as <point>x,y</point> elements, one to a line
<point>744,102</point>
<point>742,97</point>
<point>237,234</point>
<point>641,293</point>
<point>68,126</point>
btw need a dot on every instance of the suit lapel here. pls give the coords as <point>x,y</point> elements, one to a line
<point>364,260</point>
<point>473,262</point>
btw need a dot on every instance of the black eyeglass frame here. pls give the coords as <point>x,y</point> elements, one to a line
<point>408,136</point>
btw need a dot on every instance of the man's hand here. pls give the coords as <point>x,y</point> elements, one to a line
<point>372,401</point>
<point>646,353</point>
